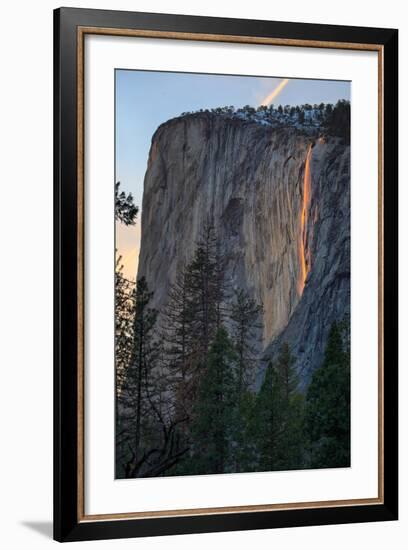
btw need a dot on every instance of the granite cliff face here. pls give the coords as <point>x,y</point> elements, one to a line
<point>279,199</point>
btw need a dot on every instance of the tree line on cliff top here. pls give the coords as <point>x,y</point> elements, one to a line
<point>187,398</point>
<point>331,119</point>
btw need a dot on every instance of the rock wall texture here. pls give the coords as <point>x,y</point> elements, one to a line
<point>280,202</point>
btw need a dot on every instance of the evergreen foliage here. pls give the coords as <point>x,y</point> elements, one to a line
<point>280,416</point>
<point>269,420</point>
<point>205,289</point>
<point>337,120</point>
<point>327,414</point>
<point>125,209</point>
<point>192,317</point>
<point>133,396</point>
<point>323,119</point>
<point>245,316</point>
<point>212,412</point>
<point>124,322</point>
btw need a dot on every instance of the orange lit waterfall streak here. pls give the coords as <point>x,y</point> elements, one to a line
<point>304,263</point>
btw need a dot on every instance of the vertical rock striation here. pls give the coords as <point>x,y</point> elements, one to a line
<point>279,199</point>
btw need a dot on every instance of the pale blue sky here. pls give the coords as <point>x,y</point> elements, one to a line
<point>146,99</point>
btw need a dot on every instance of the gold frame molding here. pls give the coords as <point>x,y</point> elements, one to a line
<point>81,33</point>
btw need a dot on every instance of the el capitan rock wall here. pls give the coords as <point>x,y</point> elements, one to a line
<point>274,223</point>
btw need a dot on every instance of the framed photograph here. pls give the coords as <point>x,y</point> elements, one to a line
<point>225,274</point>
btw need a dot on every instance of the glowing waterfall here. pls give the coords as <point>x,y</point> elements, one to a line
<point>304,255</point>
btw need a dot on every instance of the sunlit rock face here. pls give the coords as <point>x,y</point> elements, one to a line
<point>282,217</point>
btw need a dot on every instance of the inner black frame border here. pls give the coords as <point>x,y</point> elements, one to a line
<point>67,526</point>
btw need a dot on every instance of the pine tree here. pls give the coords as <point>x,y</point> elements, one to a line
<point>294,439</point>
<point>292,442</point>
<point>188,326</point>
<point>211,425</point>
<point>124,332</point>
<point>245,316</point>
<point>337,120</point>
<point>327,415</point>
<point>179,343</point>
<point>245,326</point>
<point>205,288</point>
<point>125,209</point>
<point>269,418</point>
<point>124,322</point>
<point>192,317</point>
<point>280,416</point>
<point>244,425</point>
<point>145,319</point>
<point>125,212</point>
<point>288,376</point>
<point>133,399</point>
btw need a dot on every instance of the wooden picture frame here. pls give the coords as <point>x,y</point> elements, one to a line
<point>70,28</point>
